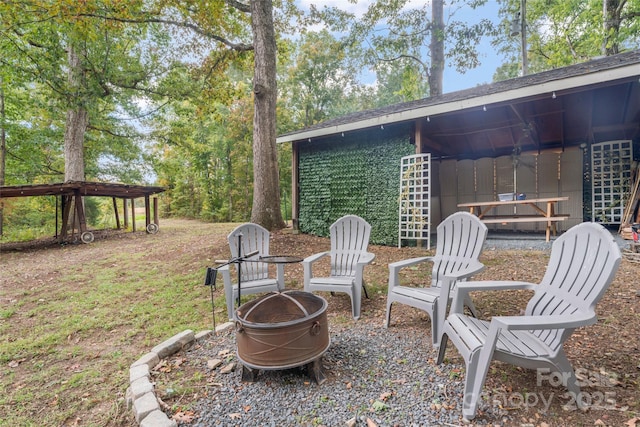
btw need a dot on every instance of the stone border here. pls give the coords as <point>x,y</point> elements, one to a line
<point>141,396</point>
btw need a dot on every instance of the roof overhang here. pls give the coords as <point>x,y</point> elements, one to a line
<point>512,93</point>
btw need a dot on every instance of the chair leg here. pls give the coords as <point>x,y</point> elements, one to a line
<point>471,387</point>
<point>387,321</point>
<point>444,339</point>
<point>356,301</point>
<point>477,368</point>
<point>564,368</point>
<point>472,308</point>
<point>229,298</point>
<point>437,323</point>
<point>365,290</point>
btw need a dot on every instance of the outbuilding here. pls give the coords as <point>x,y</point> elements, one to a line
<point>570,134</point>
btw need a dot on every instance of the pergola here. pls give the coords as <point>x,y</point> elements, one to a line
<point>72,193</point>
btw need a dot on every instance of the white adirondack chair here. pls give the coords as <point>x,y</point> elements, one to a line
<point>460,238</point>
<point>582,264</point>
<point>349,242</point>
<point>254,276</point>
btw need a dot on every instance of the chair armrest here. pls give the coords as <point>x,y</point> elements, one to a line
<point>395,267</point>
<point>364,260</point>
<point>494,285</point>
<point>474,267</point>
<point>307,264</point>
<point>572,321</point>
<point>367,258</point>
<point>463,289</point>
<point>313,258</point>
<point>409,262</point>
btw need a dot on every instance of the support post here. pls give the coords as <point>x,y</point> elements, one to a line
<point>133,215</point>
<point>126,213</point>
<point>115,211</point>
<point>155,211</point>
<point>147,211</point>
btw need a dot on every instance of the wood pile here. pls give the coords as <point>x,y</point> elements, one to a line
<point>632,253</point>
<point>631,213</point>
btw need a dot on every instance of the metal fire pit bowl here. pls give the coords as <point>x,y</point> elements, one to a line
<point>282,330</point>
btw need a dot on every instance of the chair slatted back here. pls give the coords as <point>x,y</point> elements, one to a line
<point>349,241</point>
<point>460,238</point>
<point>254,238</point>
<point>582,265</point>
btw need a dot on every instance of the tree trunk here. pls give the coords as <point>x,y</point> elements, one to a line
<point>266,190</point>
<point>3,148</point>
<point>76,125</point>
<point>436,47</point>
<point>611,10</point>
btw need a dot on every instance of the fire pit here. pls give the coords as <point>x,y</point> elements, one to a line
<point>282,330</point>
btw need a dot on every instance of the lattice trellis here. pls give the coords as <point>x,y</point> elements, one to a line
<point>611,168</point>
<point>415,199</point>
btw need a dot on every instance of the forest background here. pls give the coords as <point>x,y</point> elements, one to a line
<point>164,90</point>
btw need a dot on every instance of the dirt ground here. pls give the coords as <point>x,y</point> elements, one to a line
<point>607,355</point>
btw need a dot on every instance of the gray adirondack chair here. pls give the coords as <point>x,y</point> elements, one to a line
<point>349,243</point>
<point>254,276</point>
<point>582,264</point>
<point>460,238</point>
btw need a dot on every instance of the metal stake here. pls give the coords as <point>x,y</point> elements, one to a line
<point>239,267</point>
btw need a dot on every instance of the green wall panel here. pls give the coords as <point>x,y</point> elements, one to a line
<point>356,175</point>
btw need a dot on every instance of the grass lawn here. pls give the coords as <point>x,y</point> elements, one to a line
<point>74,317</point>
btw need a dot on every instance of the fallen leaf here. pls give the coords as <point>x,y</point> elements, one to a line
<point>632,422</point>
<point>235,415</point>
<point>385,396</point>
<point>183,416</point>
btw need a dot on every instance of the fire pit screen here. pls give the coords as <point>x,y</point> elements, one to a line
<point>282,330</point>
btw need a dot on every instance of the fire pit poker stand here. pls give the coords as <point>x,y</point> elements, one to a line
<point>212,274</point>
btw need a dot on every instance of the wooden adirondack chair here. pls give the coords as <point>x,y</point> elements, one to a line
<point>254,276</point>
<point>460,238</point>
<point>349,242</point>
<point>582,264</point>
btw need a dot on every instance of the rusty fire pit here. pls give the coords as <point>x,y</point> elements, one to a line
<point>282,330</point>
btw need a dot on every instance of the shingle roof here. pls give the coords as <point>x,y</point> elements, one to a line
<point>512,86</point>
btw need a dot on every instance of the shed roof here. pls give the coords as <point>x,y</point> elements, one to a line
<point>84,188</point>
<point>593,101</point>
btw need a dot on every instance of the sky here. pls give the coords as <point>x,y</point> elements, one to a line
<point>453,81</point>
